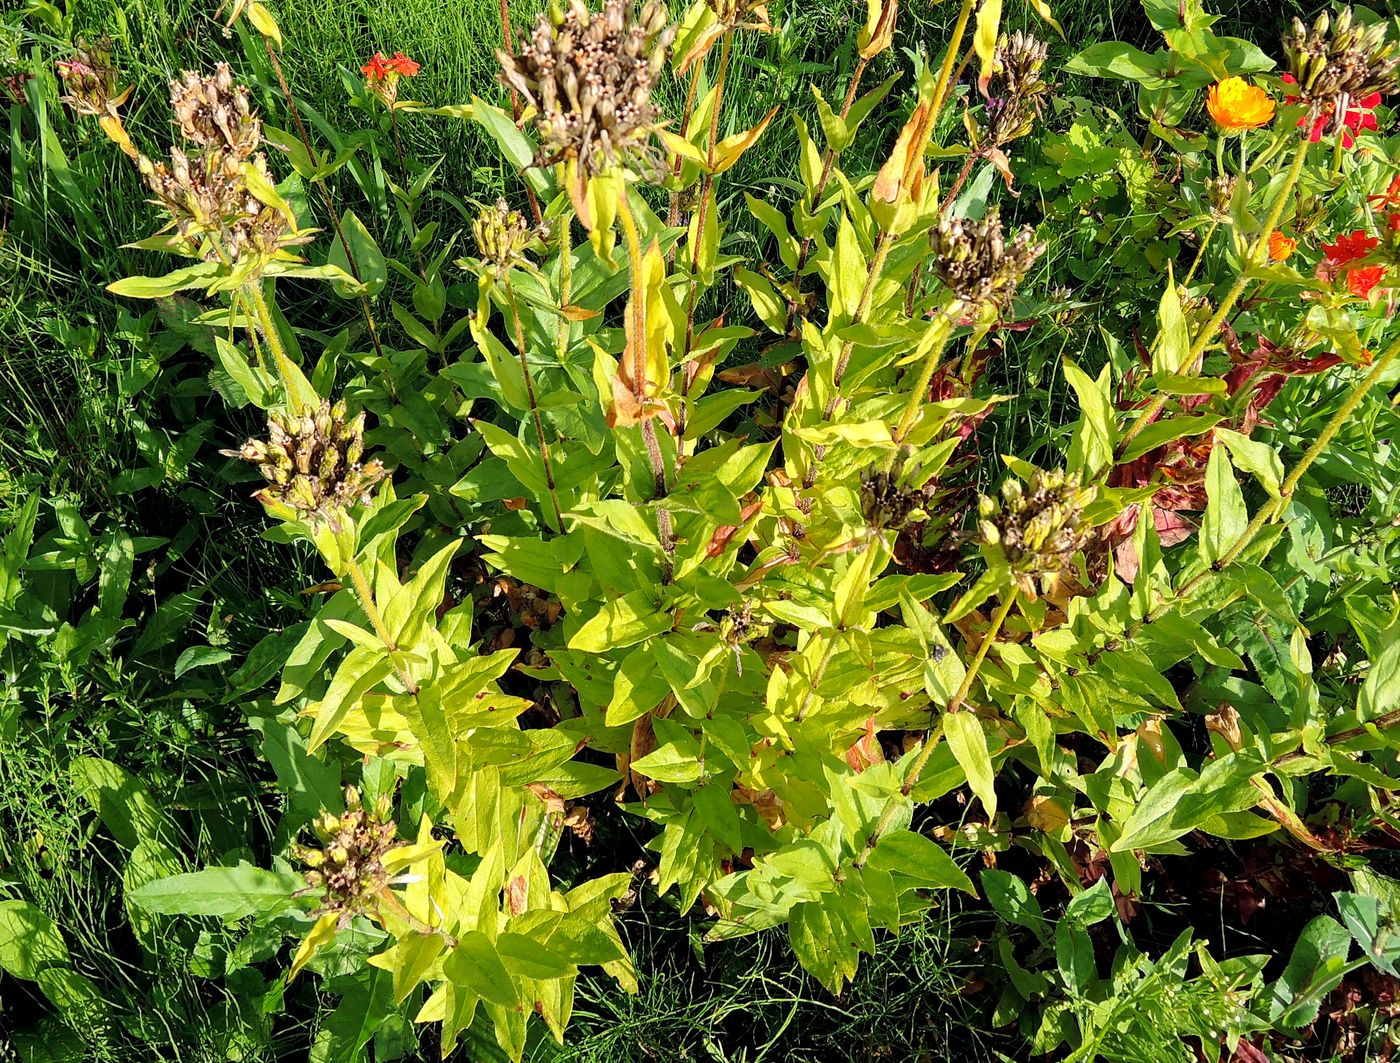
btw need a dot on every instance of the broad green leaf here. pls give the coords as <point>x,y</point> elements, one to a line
<point>1317,966</point>
<point>968,741</point>
<point>622,622</point>
<point>1226,516</point>
<point>921,859</point>
<point>29,941</point>
<point>227,893</point>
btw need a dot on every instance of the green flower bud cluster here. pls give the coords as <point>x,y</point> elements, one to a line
<point>312,461</point>
<point>590,76</point>
<point>91,79</point>
<point>346,864</point>
<point>503,236</point>
<point>1018,91</point>
<point>1034,528</point>
<point>1337,56</point>
<point>977,265</point>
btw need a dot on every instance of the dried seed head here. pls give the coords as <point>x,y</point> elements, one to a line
<point>1339,56</point>
<point>91,79</point>
<point>1034,528</point>
<point>503,236</point>
<point>347,863</point>
<point>1018,92</point>
<point>590,76</point>
<point>884,502</point>
<point>213,112</point>
<point>311,461</point>
<point>974,261</point>
<point>1220,192</point>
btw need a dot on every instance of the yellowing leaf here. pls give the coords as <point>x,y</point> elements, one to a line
<point>322,934</point>
<point>728,150</point>
<point>984,41</point>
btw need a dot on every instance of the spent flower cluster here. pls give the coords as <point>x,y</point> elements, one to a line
<point>312,461</point>
<point>347,863</point>
<point>1019,91</point>
<point>975,262</point>
<point>590,77</point>
<point>218,194</point>
<point>1036,527</point>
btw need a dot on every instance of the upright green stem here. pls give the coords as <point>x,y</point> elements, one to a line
<point>365,593</point>
<point>911,777</point>
<point>412,221</point>
<point>1200,253</point>
<point>1255,256</point>
<point>926,371</point>
<point>883,242</point>
<point>534,404</point>
<point>326,199</point>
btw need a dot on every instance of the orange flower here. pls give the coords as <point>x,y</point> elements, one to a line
<point>1280,246</point>
<point>1236,105</point>
<point>1361,281</point>
<point>402,64</point>
<point>377,69</point>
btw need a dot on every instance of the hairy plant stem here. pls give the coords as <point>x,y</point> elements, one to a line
<point>534,404</point>
<point>829,160</point>
<point>365,593</point>
<point>326,200</point>
<point>701,217</point>
<point>911,777</point>
<point>1200,254</point>
<point>1257,253</point>
<point>1276,506</point>
<point>274,342</point>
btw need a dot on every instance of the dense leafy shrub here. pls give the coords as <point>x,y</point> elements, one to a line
<point>729,519</point>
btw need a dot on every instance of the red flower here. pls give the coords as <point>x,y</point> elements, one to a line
<point>1392,223</point>
<point>377,69</point>
<point>402,64</point>
<point>1350,248</point>
<point>1357,118</point>
<point>1361,281</point>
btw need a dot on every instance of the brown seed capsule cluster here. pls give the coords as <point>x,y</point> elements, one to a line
<point>213,112</point>
<point>974,261</point>
<point>206,188</point>
<point>886,504</point>
<point>312,461</point>
<point>732,13</point>
<point>1220,193</point>
<point>91,79</point>
<point>1018,91</point>
<point>1035,527</point>
<point>1337,55</point>
<point>590,76</point>
<point>503,236</point>
<point>347,863</point>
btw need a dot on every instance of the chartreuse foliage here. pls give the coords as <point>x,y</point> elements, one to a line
<point>771,621</point>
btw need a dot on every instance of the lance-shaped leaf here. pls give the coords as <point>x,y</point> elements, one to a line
<point>984,40</point>
<point>643,370</point>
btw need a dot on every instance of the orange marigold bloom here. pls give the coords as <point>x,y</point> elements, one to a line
<point>1281,247</point>
<point>1236,105</point>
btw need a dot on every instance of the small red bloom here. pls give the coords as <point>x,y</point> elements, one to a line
<point>1361,281</point>
<point>1350,248</point>
<point>1358,116</point>
<point>1392,223</point>
<point>402,64</point>
<point>378,67</point>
